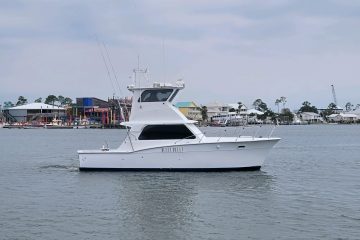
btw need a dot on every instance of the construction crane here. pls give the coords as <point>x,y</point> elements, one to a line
<point>334,95</point>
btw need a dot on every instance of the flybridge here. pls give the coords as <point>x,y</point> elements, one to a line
<point>154,103</point>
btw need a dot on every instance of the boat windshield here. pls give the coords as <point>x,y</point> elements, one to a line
<point>156,95</point>
<point>173,96</point>
<point>166,132</point>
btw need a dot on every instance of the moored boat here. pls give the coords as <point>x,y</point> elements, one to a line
<point>160,137</point>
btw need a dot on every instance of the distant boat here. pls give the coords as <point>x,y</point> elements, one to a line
<point>15,125</point>
<point>32,127</point>
<point>81,124</point>
<point>160,137</point>
<point>230,118</point>
<point>56,124</point>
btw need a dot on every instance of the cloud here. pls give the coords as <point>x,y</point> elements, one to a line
<point>232,49</point>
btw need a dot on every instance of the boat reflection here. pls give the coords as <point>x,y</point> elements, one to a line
<point>159,205</point>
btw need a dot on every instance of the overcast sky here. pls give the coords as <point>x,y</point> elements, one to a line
<point>225,51</point>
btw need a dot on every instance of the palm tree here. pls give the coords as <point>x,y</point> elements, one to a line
<point>283,101</point>
<point>240,104</point>
<point>277,102</point>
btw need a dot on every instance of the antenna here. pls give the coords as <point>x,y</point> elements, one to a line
<point>112,68</point>
<point>334,95</point>
<point>117,83</point>
<point>138,58</point>
<point>107,67</point>
<point>139,71</point>
<point>110,78</point>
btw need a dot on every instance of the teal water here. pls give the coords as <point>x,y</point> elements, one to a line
<point>309,188</point>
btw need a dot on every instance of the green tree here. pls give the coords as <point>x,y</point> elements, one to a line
<point>204,113</point>
<point>21,101</point>
<point>51,99</point>
<point>306,107</point>
<point>240,105</point>
<point>286,115</point>
<point>331,109</point>
<point>232,110</point>
<point>260,105</point>
<point>267,113</point>
<point>257,103</point>
<point>348,106</point>
<point>67,101</point>
<point>61,100</point>
<point>38,100</point>
<point>8,104</point>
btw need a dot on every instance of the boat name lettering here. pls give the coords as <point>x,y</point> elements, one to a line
<point>172,149</point>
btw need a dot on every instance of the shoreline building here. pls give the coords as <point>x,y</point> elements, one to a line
<point>92,109</point>
<point>343,118</point>
<point>215,109</point>
<point>311,117</point>
<point>190,110</point>
<point>34,112</point>
<point>120,109</point>
<point>95,110</point>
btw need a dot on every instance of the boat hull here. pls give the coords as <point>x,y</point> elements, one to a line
<point>189,157</point>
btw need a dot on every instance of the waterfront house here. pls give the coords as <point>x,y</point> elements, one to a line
<point>343,118</point>
<point>253,111</point>
<point>190,110</point>
<point>241,111</point>
<point>311,117</point>
<point>356,112</point>
<point>33,112</point>
<point>252,115</point>
<point>215,109</point>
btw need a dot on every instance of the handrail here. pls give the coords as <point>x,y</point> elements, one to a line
<point>203,135</point>
<point>257,131</point>
<point>128,135</point>
<point>272,130</point>
<point>221,136</point>
<point>238,136</point>
<point>193,135</point>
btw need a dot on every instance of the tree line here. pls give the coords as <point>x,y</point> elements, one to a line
<point>51,99</point>
<point>284,114</point>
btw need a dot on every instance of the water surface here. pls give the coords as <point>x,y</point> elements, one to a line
<point>309,188</point>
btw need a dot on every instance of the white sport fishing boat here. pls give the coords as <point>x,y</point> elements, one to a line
<point>160,137</point>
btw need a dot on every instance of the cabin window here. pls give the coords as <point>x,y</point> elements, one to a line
<point>158,95</point>
<point>166,132</point>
